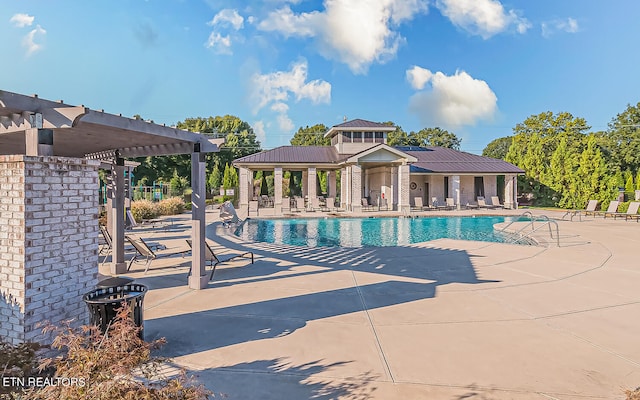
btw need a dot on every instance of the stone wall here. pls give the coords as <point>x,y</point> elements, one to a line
<point>48,242</point>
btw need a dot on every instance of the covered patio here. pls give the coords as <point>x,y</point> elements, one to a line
<point>50,153</point>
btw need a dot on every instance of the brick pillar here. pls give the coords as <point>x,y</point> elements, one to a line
<point>356,188</point>
<point>456,189</point>
<point>312,182</point>
<point>510,191</point>
<point>331,183</point>
<point>343,189</point>
<point>305,183</point>
<point>245,181</point>
<point>48,242</point>
<point>403,189</point>
<point>277,190</point>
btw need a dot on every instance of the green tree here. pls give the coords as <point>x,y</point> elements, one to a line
<point>628,186</point>
<point>311,136</point>
<point>436,137</point>
<point>591,176</point>
<point>562,171</point>
<point>621,142</point>
<point>215,179</point>
<point>498,148</point>
<point>638,180</point>
<point>398,137</point>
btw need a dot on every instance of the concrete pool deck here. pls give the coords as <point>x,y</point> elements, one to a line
<point>444,319</point>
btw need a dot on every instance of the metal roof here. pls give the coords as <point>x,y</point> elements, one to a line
<point>445,160</point>
<point>81,132</point>
<point>295,155</point>
<point>359,125</point>
<point>428,159</point>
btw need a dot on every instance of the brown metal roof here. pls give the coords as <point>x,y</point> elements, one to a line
<point>429,159</point>
<point>295,154</point>
<point>444,160</point>
<point>362,123</point>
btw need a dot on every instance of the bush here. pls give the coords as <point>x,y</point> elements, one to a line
<point>171,206</point>
<point>144,209</point>
<point>115,365</point>
<point>633,394</point>
<point>17,361</point>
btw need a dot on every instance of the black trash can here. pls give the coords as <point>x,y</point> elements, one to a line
<point>104,302</point>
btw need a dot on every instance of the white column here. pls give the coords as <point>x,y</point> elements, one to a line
<point>199,278</point>
<point>456,189</point>
<point>305,183</point>
<point>245,181</point>
<point>356,188</point>
<point>118,266</point>
<point>277,190</point>
<point>510,191</point>
<point>403,189</point>
<point>331,183</point>
<point>311,183</point>
<point>343,189</point>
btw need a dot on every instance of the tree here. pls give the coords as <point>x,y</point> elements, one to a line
<point>398,137</point>
<point>591,176</point>
<point>628,186</point>
<point>562,172</point>
<point>437,137</point>
<point>311,136</point>
<point>215,179</point>
<point>621,142</point>
<point>498,148</point>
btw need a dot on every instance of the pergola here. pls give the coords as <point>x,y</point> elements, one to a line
<point>36,127</point>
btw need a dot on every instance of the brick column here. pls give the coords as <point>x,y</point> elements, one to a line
<point>510,191</point>
<point>277,190</point>
<point>356,188</point>
<point>48,242</point>
<point>305,183</point>
<point>331,183</point>
<point>245,181</point>
<point>343,189</point>
<point>312,182</point>
<point>403,189</point>
<point>455,186</point>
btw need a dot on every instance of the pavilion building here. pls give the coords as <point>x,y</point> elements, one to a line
<point>370,169</point>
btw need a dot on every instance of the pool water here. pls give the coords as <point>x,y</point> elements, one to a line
<point>380,232</point>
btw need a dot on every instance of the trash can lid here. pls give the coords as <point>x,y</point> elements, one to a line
<point>114,281</point>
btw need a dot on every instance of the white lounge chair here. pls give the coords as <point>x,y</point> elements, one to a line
<point>612,209</point>
<point>213,259</point>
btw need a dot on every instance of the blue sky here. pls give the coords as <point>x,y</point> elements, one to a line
<point>474,67</point>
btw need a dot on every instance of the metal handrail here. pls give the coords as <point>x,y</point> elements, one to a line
<point>542,218</point>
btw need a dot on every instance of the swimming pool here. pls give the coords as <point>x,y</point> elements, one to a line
<point>380,232</point>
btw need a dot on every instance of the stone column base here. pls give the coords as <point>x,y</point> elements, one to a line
<point>198,282</point>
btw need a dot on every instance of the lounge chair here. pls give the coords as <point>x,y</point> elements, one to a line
<point>131,222</point>
<point>313,204</point>
<point>435,204</point>
<point>299,204</point>
<point>591,208</point>
<point>383,205</point>
<point>632,211</point>
<point>253,207</point>
<point>142,249</point>
<point>611,210</point>
<point>483,204</point>
<point>329,204</point>
<point>495,201</point>
<point>365,204</point>
<point>107,246</point>
<point>451,205</point>
<point>210,256</point>
<point>418,205</point>
<point>228,214</point>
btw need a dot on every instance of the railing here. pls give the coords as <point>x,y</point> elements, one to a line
<point>545,221</point>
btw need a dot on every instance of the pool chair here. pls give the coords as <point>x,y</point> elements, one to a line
<point>365,204</point>
<point>451,205</point>
<point>297,205</point>
<point>329,204</point>
<point>228,214</point>
<point>313,204</point>
<point>482,203</point>
<point>418,205</point>
<point>212,258</point>
<point>383,205</point>
<point>143,250</point>
<point>632,211</point>
<point>495,201</point>
<point>107,245</point>
<point>611,210</point>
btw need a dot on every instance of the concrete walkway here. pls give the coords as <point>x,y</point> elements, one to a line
<point>444,319</point>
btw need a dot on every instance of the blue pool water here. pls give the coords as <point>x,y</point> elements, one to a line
<point>357,232</point>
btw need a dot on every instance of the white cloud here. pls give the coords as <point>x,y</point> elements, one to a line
<point>482,17</point>
<point>569,25</point>
<point>258,129</point>
<point>220,44</point>
<point>280,107</point>
<point>453,100</point>
<point>29,41</point>
<point>277,86</point>
<point>418,77</point>
<point>285,124</point>
<point>355,32</point>
<point>22,20</point>
<point>227,17</point>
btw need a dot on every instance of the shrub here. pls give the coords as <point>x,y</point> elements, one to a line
<point>143,209</point>
<point>17,361</point>
<point>171,206</point>
<point>633,394</point>
<point>115,365</point>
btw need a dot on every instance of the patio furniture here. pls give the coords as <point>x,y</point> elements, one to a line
<point>365,204</point>
<point>612,209</point>
<point>483,204</point>
<point>298,205</point>
<point>106,247</point>
<point>313,204</point>
<point>495,201</point>
<point>383,205</point>
<point>228,214</point>
<point>211,256</point>
<point>143,250</point>
<point>632,211</point>
<point>418,205</point>
<point>436,204</point>
<point>450,203</point>
<point>329,204</point>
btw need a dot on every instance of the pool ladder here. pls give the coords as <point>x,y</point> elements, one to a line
<point>520,234</point>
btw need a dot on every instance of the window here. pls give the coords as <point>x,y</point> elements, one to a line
<point>478,187</point>
<point>346,137</point>
<point>368,137</point>
<point>379,137</point>
<point>446,187</point>
<point>357,137</point>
